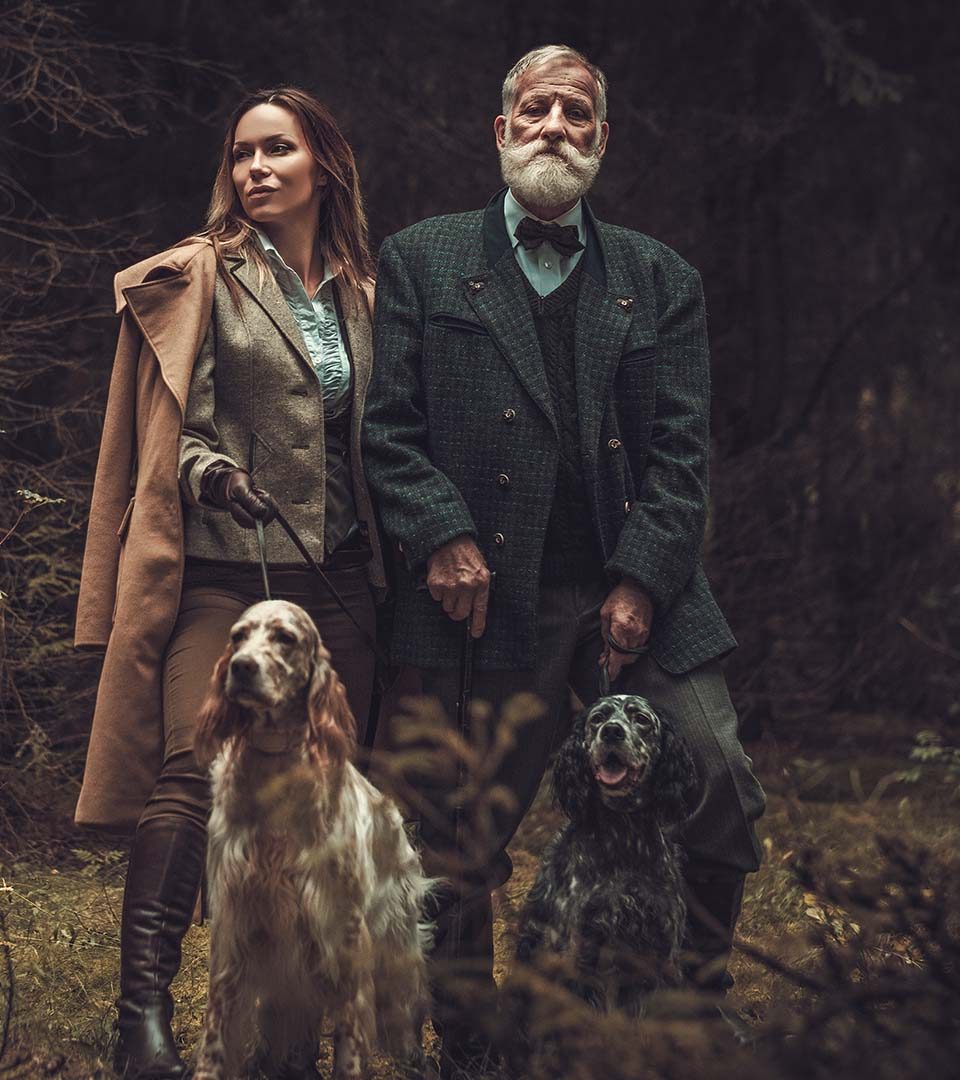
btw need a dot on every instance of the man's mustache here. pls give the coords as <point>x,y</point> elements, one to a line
<point>568,155</point>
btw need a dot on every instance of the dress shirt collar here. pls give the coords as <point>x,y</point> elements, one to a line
<point>274,256</point>
<point>513,213</point>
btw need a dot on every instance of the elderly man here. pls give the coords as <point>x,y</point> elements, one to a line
<point>539,408</point>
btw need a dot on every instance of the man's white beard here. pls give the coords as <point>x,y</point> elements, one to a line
<point>542,174</point>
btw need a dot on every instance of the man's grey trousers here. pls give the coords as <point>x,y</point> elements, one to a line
<point>719,838</point>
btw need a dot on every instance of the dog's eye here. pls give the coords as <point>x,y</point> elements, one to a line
<point>284,637</point>
<point>237,636</point>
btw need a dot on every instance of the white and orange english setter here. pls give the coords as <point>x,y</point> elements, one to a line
<point>316,893</point>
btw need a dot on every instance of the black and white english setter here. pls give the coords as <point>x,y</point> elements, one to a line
<point>315,890</point>
<point>608,896</point>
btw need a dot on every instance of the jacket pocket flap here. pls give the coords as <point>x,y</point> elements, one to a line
<point>639,354</point>
<point>448,321</point>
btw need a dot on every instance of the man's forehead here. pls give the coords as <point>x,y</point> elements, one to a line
<point>562,73</point>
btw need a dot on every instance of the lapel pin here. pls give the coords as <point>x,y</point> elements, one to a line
<point>625,303</point>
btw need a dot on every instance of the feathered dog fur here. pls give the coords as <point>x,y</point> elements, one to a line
<point>315,890</point>
<point>609,893</point>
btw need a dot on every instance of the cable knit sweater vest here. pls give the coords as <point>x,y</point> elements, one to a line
<point>571,553</point>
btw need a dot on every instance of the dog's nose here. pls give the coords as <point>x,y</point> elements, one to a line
<point>243,668</point>
<point>612,732</point>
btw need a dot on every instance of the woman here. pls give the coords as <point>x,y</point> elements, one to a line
<point>238,388</point>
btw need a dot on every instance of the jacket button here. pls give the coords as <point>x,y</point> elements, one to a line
<point>626,507</point>
<point>498,539</point>
<point>614,444</point>
<point>509,415</point>
<point>503,480</point>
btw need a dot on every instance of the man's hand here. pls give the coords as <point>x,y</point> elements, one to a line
<point>458,577</point>
<point>627,614</point>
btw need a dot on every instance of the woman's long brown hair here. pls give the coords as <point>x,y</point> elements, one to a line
<point>343,220</point>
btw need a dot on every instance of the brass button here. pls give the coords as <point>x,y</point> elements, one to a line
<point>498,539</point>
<point>476,284</point>
<point>503,480</point>
<point>625,303</point>
<point>509,415</point>
<point>614,444</point>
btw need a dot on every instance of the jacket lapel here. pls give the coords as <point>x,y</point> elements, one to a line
<point>270,298</point>
<point>163,303</point>
<point>603,320</point>
<point>356,323</point>
<point>497,293</point>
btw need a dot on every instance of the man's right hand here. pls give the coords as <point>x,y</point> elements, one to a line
<point>458,577</point>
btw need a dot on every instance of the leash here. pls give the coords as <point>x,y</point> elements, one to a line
<point>262,545</point>
<point>604,677</point>
<point>314,566</point>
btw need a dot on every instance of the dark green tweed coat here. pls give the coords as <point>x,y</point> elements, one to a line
<point>460,437</point>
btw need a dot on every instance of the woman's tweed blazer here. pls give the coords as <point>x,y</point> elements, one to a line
<point>460,435</point>
<point>133,560</point>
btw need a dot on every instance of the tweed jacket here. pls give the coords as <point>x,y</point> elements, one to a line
<point>255,402</point>
<point>461,437</point>
<point>133,560</point>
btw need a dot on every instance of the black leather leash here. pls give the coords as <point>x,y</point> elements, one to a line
<point>312,564</point>
<point>604,677</point>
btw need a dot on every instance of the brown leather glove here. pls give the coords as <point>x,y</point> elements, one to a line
<point>233,490</point>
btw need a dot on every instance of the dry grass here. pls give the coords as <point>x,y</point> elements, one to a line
<point>61,923</point>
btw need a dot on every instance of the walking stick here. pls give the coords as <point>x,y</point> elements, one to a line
<point>464,701</point>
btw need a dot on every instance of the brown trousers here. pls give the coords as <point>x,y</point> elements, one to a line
<point>214,596</point>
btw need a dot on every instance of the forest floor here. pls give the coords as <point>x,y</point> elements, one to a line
<point>832,789</point>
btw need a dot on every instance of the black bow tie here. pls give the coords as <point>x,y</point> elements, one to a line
<point>532,233</point>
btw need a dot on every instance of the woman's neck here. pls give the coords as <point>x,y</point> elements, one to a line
<point>299,248</point>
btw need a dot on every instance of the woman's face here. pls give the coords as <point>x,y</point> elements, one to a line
<point>276,177</point>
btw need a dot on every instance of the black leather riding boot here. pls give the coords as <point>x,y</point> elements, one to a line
<point>166,864</point>
<point>713,907</point>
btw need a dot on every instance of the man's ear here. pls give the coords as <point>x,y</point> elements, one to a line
<point>500,131</point>
<point>602,145</point>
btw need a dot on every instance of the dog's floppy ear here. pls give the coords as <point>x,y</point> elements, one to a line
<point>573,783</point>
<point>331,727</point>
<point>676,786</point>
<point>219,718</point>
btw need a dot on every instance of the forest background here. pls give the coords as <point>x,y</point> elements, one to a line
<point>797,152</point>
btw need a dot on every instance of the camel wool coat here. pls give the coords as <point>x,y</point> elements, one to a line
<point>133,560</point>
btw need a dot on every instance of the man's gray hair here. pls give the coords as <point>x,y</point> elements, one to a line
<point>543,55</point>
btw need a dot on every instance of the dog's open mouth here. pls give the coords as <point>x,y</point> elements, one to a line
<point>615,775</point>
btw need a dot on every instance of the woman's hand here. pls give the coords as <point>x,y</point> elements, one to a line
<point>233,490</point>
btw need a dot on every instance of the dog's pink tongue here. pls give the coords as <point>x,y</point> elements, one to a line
<point>611,774</point>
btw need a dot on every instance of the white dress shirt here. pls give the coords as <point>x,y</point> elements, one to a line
<point>544,268</point>
<point>319,325</point>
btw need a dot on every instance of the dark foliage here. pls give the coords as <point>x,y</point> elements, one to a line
<point>796,153</point>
